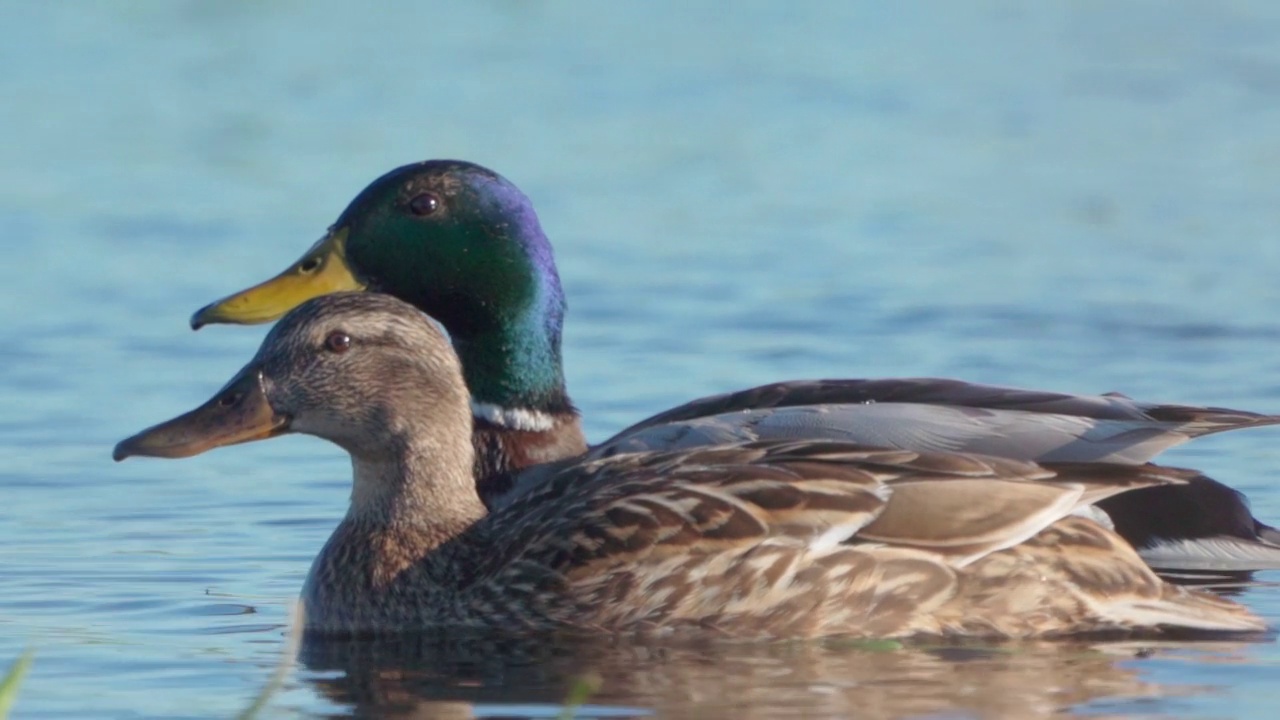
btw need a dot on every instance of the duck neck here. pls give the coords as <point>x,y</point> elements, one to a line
<point>420,494</point>
<point>514,368</point>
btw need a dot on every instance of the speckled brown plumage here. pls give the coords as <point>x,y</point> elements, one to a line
<point>724,541</point>
<point>770,538</point>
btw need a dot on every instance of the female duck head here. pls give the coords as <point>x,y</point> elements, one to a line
<point>462,244</point>
<point>363,370</point>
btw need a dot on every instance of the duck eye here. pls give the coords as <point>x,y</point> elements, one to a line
<point>424,204</point>
<point>337,342</point>
<point>309,265</point>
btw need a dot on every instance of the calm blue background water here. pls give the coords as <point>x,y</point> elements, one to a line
<point>1080,196</point>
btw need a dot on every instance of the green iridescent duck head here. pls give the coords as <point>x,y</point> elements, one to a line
<point>460,243</point>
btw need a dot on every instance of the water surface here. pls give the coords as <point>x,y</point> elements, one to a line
<point>1079,196</point>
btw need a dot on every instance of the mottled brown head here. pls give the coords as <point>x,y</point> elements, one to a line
<point>363,370</point>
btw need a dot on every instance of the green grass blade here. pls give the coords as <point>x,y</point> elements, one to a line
<point>12,679</point>
<point>287,657</point>
<point>583,688</point>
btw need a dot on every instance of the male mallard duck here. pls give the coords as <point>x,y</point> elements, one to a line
<point>789,538</point>
<point>464,245</point>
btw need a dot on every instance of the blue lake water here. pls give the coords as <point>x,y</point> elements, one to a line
<point>1079,196</point>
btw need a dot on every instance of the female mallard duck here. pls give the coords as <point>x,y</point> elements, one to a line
<point>464,245</point>
<point>762,539</point>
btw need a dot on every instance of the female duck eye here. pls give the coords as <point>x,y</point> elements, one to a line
<point>424,204</point>
<point>337,342</point>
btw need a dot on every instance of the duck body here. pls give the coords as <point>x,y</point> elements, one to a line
<point>763,540</point>
<point>1200,525</point>
<point>758,539</point>
<point>464,245</point>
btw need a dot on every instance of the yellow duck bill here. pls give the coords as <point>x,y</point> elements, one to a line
<point>239,413</point>
<point>321,270</point>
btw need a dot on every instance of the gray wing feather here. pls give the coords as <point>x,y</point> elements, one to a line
<point>1018,434</point>
<point>956,393</point>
